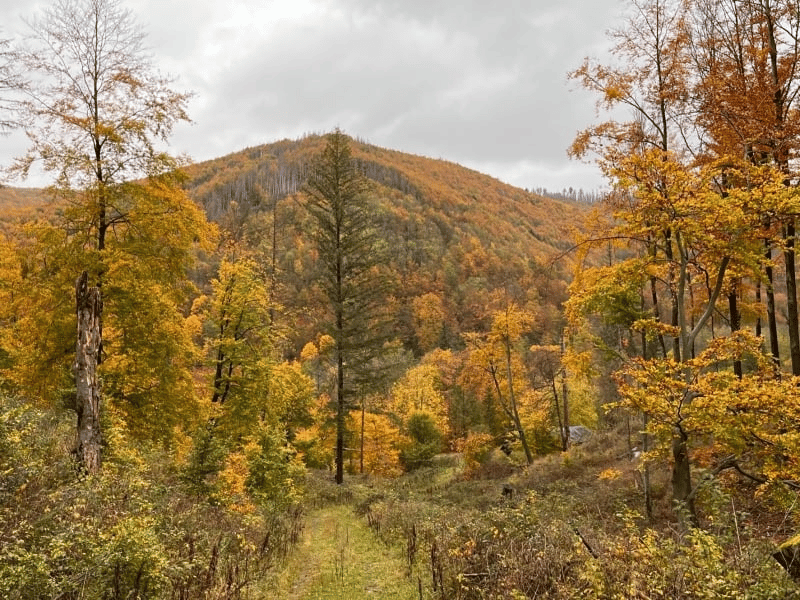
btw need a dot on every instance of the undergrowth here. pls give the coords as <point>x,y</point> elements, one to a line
<point>134,531</point>
<point>571,526</point>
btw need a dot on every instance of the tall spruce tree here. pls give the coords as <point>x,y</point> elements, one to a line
<point>339,203</point>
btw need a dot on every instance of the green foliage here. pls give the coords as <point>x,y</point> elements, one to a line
<point>425,441</point>
<point>695,565</point>
<point>452,236</point>
<point>205,462</point>
<point>352,283</point>
<point>563,541</point>
<point>275,476</point>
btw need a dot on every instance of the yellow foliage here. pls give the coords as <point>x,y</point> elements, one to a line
<point>381,444</point>
<point>428,318</point>
<point>609,474</point>
<point>231,490</point>
<point>325,343</point>
<point>419,390</point>
<point>309,352</point>
<point>474,448</point>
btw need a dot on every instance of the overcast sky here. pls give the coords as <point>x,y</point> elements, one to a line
<point>480,83</point>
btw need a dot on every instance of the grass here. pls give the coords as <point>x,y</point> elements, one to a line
<point>339,557</point>
<point>573,527</point>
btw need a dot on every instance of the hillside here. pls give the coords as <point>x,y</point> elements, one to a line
<point>453,232</point>
<point>464,237</point>
<point>224,500</point>
<point>20,204</point>
<point>455,198</point>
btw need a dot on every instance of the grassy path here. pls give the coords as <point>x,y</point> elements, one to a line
<point>338,557</point>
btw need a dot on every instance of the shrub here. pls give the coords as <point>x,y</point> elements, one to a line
<point>128,532</point>
<point>425,441</point>
<point>476,448</point>
<point>275,474</point>
<point>205,462</point>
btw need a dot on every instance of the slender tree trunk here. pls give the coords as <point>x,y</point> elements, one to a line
<point>564,391</point>
<point>793,323</point>
<point>648,497</point>
<point>758,303</point>
<point>515,411</point>
<point>772,322</point>
<point>340,414</point>
<point>563,431</point>
<point>681,466</point>
<point>668,251</point>
<point>88,442</point>
<point>273,273</point>
<point>682,477</point>
<point>363,418</point>
<point>736,323</point>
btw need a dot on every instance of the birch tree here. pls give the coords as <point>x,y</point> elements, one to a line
<point>97,113</point>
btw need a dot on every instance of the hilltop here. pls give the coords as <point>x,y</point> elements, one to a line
<point>461,235</point>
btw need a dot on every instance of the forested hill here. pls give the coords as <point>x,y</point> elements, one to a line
<point>456,198</point>
<point>457,238</point>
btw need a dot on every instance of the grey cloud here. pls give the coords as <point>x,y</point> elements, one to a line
<point>474,82</point>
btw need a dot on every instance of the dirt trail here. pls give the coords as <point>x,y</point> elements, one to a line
<point>338,557</point>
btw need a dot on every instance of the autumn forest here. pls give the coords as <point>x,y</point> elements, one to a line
<point>322,368</point>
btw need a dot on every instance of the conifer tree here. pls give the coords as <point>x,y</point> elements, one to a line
<point>340,206</point>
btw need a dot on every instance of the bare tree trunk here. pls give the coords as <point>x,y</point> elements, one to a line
<point>648,495</point>
<point>514,409</point>
<point>563,430</point>
<point>681,478</point>
<point>363,416</point>
<point>89,439</point>
<point>735,322</point>
<point>340,415</point>
<point>792,319</point>
<point>772,322</point>
<point>564,390</point>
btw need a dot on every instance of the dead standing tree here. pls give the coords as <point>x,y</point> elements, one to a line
<point>88,441</point>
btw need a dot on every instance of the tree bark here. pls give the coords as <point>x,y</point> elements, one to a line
<point>681,477</point>
<point>88,442</point>
<point>772,322</point>
<point>363,418</point>
<point>792,320</point>
<point>340,417</point>
<point>735,322</point>
<point>564,392</point>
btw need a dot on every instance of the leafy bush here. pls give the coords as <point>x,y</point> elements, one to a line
<point>275,474</point>
<point>205,462</point>
<point>129,532</point>
<point>425,441</point>
<point>476,448</point>
<point>697,564</point>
